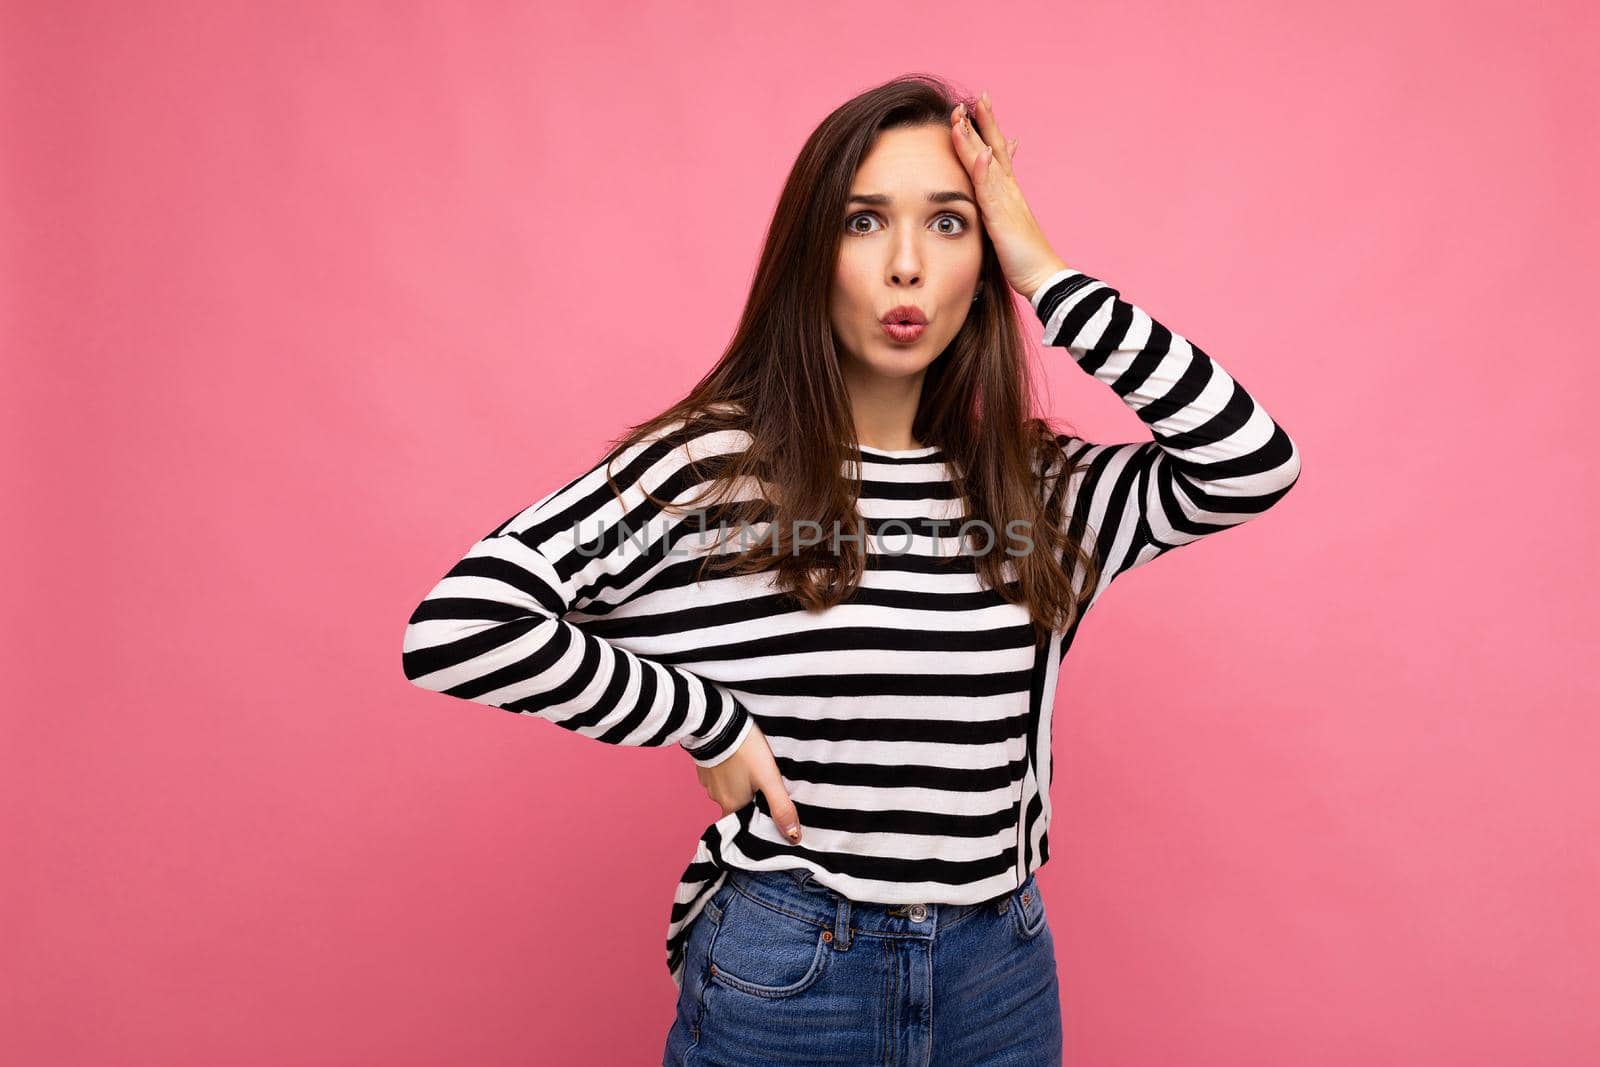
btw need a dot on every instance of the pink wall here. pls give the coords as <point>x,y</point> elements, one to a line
<point>300,299</point>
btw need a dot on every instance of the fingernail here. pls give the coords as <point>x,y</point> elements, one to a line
<point>985,99</point>
<point>794,833</point>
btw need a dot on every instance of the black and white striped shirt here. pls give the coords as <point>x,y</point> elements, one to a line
<point>911,722</point>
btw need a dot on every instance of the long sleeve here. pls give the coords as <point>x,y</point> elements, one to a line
<point>1217,460</point>
<point>495,629</point>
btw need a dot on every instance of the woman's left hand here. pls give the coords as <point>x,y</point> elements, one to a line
<point>1025,256</point>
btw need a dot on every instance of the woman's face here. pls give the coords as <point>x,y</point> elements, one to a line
<point>911,237</point>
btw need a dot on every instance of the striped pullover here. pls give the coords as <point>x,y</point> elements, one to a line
<point>910,722</point>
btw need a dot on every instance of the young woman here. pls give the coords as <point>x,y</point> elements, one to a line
<point>842,574</point>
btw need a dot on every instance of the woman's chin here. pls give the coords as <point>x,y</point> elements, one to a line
<point>890,359</point>
<point>896,365</point>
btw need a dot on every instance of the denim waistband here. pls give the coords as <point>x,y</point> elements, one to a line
<point>796,893</point>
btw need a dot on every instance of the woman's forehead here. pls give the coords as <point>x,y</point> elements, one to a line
<point>908,164</point>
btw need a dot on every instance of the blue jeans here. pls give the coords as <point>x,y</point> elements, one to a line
<point>779,969</point>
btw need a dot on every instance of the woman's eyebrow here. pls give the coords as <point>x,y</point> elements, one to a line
<point>947,196</point>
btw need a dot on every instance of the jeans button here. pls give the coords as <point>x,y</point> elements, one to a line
<point>918,913</point>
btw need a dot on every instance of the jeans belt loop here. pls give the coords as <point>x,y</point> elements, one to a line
<point>841,925</point>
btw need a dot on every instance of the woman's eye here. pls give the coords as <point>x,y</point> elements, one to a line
<point>961,223</point>
<point>849,223</point>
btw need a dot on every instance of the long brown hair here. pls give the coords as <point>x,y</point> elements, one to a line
<point>779,380</point>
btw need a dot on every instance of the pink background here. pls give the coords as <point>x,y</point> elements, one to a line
<point>302,298</point>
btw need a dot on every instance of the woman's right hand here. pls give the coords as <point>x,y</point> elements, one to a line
<point>734,782</point>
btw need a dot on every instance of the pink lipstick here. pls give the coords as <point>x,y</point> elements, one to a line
<point>904,323</point>
<point>905,333</point>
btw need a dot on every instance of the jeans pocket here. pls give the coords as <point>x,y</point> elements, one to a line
<point>765,952</point>
<point>1027,909</point>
